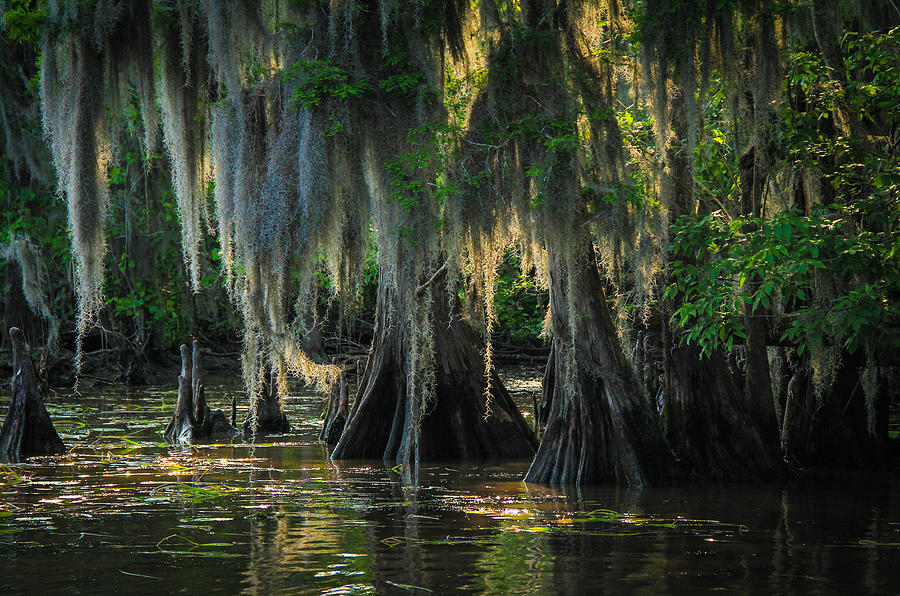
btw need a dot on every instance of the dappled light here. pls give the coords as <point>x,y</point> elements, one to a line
<point>276,516</point>
<point>504,297</point>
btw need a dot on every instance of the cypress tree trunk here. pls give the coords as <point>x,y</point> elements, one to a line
<point>336,411</point>
<point>601,427</point>
<point>707,422</point>
<point>713,428</point>
<point>459,424</point>
<point>27,430</point>
<point>757,373</point>
<point>834,430</point>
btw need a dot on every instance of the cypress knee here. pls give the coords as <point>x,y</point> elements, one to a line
<point>27,430</point>
<point>193,419</point>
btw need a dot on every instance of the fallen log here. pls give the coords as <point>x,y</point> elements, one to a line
<point>27,430</point>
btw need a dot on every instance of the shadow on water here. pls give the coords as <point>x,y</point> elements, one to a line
<point>123,511</point>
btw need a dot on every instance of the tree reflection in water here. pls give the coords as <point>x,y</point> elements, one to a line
<point>280,517</point>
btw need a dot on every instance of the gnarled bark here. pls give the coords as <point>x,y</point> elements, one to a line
<point>193,419</point>
<point>461,423</point>
<point>601,427</point>
<point>27,430</point>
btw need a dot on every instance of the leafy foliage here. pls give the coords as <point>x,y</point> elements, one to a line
<point>831,273</point>
<point>314,82</point>
<point>519,302</point>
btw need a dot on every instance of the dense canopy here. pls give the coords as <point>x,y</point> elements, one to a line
<point>706,192</point>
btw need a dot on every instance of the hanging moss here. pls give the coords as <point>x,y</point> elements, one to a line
<point>182,96</point>
<point>93,56</point>
<point>449,135</point>
<point>72,78</point>
<point>33,271</point>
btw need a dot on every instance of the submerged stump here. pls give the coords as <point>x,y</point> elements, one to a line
<point>193,419</point>
<point>27,430</point>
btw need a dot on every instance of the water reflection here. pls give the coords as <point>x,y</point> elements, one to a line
<point>122,511</point>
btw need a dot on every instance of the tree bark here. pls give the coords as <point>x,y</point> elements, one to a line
<point>601,427</point>
<point>27,430</point>
<point>460,423</point>
<point>707,421</point>
<point>832,431</point>
<point>336,411</point>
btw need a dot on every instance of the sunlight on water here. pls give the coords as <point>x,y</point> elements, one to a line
<point>123,511</point>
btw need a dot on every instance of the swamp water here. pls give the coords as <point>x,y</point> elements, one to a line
<point>123,512</point>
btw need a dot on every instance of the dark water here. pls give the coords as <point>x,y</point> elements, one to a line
<point>124,513</point>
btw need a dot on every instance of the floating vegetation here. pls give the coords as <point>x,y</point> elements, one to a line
<point>183,539</point>
<point>9,476</point>
<point>191,493</point>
